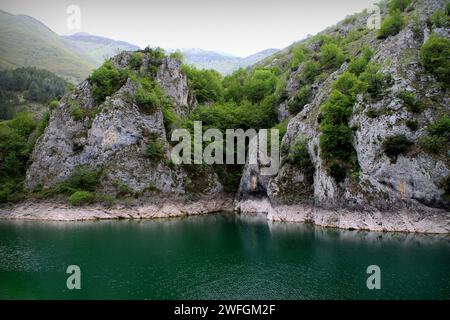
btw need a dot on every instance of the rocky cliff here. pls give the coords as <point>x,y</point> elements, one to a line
<point>112,136</point>
<point>405,194</point>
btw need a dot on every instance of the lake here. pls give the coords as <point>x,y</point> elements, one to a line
<point>222,256</point>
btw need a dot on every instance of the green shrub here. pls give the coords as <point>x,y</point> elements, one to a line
<point>372,81</point>
<point>391,25</point>
<point>260,84</point>
<point>54,104</point>
<point>299,55</point>
<point>373,113</point>
<point>155,150</point>
<point>435,57</point>
<point>83,179</point>
<point>311,70</point>
<point>77,113</point>
<point>149,96</point>
<point>177,55</point>
<point>395,145</point>
<point>299,155</point>
<point>155,59</point>
<point>411,101</point>
<point>206,84</point>
<point>23,123</point>
<point>136,60</point>
<point>413,125</point>
<point>331,56</point>
<point>440,19</point>
<point>441,127</point>
<point>336,141</point>
<point>15,150</point>
<point>80,198</point>
<point>231,115</point>
<point>399,5</point>
<point>106,80</point>
<point>300,100</point>
<point>358,65</point>
<point>348,84</point>
<point>431,143</point>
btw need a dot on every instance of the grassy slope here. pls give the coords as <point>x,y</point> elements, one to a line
<point>25,41</point>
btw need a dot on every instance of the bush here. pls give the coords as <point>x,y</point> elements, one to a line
<point>177,55</point>
<point>155,150</point>
<point>435,57</point>
<point>348,84</point>
<point>410,100</point>
<point>206,84</point>
<point>441,127</point>
<point>310,71</point>
<point>106,80</point>
<point>373,113</point>
<point>299,155</point>
<point>395,145</point>
<point>15,150</point>
<point>77,113</point>
<point>331,56</point>
<point>81,179</point>
<point>80,198</point>
<point>357,66</point>
<point>155,59</point>
<point>149,96</point>
<point>299,54</point>
<point>136,60</point>
<point>440,19</point>
<point>300,100</point>
<point>54,104</point>
<point>399,5</point>
<point>260,84</point>
<point>372,81</point>
<point>23,123</point>
<point>413,125</point>
<point>231,115</point>
<point>431,143</point>
<point>391,25</point>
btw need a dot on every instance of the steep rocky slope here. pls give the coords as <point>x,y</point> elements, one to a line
<point>112,136</point>
<point>405,194</point>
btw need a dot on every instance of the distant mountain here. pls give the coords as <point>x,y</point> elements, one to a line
<point>96,48</point>
<point>225,64</point>
<point>26,42</point>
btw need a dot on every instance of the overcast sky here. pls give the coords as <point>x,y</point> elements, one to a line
<point>239,27</point>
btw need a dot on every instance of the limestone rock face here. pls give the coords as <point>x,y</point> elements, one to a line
<point>405,194</point>
<point>112,137</point>
<point>174,83</point>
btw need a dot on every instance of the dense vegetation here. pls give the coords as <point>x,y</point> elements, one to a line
<point>106,80</point>
<point>435,56</point>
<point>15,149</point>
<point>23,85</point>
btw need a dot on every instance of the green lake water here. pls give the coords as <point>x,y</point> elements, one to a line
<point>217,257</point>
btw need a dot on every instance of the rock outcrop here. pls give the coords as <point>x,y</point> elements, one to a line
<point>402,195</point>
<point>112,137</point>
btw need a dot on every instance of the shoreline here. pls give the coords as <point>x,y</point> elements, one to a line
<point>437,222</point>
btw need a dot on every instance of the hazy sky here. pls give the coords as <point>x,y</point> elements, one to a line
<point>239,27</point>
